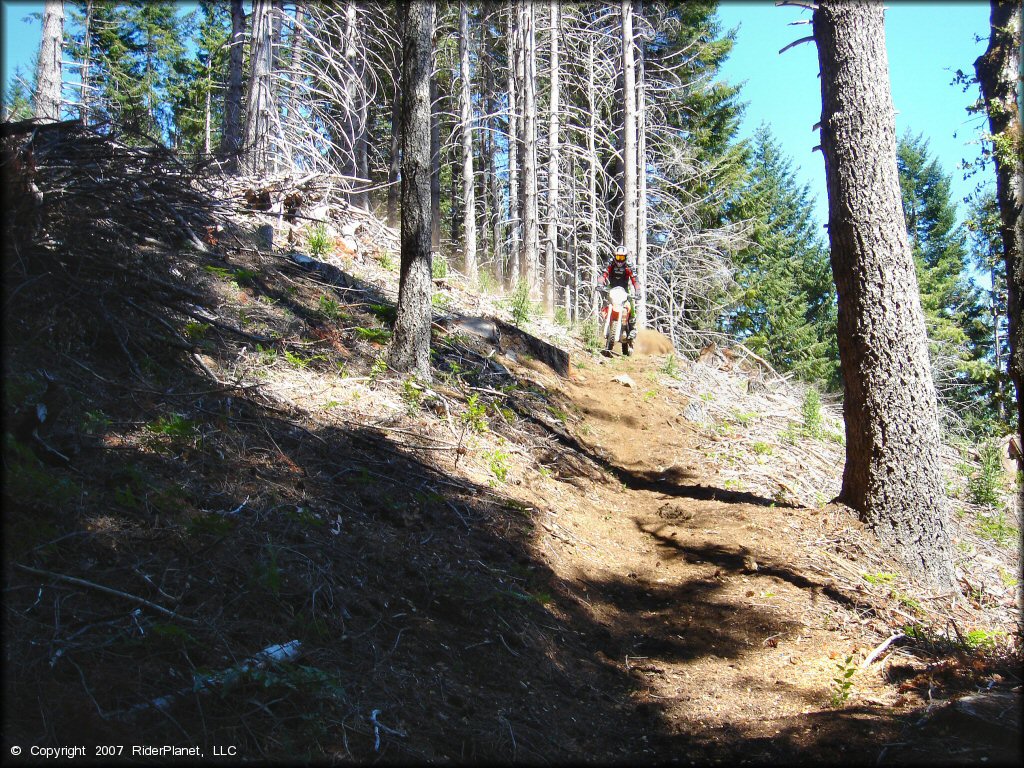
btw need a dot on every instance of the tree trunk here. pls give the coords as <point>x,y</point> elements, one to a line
<point>530,259</point>
<point>468,182</point>
<point>354,106</point>
<point>641,213</point>
<point>48,68</point>
<point>259,114</point>
<point>629,130</point>
<point>892,475</point>
<point>231,141</point>
<point>551,237</point>
<point>435,169</point>
<point>288,99</point>
<point>410,347</point>
<point>998,75</point>
<point>515,77</point>
<point>592,170</point>
<point>86,63</point>
<point>396,143</point>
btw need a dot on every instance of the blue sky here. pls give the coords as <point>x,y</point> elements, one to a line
<point>926,42</point>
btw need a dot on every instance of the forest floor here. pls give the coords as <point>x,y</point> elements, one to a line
<point>504,565</point>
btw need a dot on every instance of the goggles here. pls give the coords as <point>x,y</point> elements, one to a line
<point>620,257</point>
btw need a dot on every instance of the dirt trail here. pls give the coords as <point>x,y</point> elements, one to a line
<point>708,599</point>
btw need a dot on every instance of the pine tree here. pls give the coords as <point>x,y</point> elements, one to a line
<point>950,301</point>
<point>202,80</point>
<point>892,475</point>
<point>988,331</point>
<point>784,292</point>
<point>137,51</point>
<point>17,101</point>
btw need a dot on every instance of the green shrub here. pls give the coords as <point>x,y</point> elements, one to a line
<point>375,335</point>
<point>486,282</point>
<point>475,416</point>
<point>986,485</point>
<point>812,413</point>
<point>589,335</point>
<point>439,266</point>
<point>519,304</point>
<point>329,308</point>
<point>412,394</point>
<point>387,261</point>
<point>318,242</point>
<point>498,463</point>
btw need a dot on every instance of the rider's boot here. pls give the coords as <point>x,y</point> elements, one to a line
<point>631,330</point>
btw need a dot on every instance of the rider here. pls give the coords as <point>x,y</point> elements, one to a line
<point>618,272</point>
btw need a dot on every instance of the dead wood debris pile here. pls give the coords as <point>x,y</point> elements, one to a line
<point>92,196</point>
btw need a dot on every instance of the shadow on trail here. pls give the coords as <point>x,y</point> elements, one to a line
<point>733,561</point>
<point>673,482</point>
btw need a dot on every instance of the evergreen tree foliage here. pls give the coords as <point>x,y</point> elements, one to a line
<point>784,299</point>
<point>137,50</point>
<point>201,80</point>
<point>986,365</point>
<point>17,104</point>
<point>703,110</point>
<point>950,301</point>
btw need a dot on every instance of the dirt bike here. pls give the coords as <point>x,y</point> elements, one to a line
<point>615,319</point>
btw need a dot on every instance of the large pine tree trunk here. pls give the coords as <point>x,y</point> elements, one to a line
<point>997,70</point>
<point>892,475</point>
<point>410,347</point>
<point>48,68</point>
<point>466,127</point>
<point>551,236</point>
<point>231,139</point>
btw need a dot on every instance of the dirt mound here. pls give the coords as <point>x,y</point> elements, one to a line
<point>650,342</point>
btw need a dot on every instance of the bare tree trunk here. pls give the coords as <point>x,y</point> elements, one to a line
<point>87,63</point>
<point>435,168</point>
<point>288,102</point>
<point>530,259</point>
<point>997,345</point>
<point>48,69</point>
<point>468,182</point>
<point>892,475</point>
<point>259,115</point>
<point>396,139</point>
<point>592,170</point>
<point>208,111</point>
<point>515,78</point>
<point>355,105</point>
<point>629,129</point>
<point>551,237</point>
<point>276,25</point>
<point>231,141</point>
<point>410,347</point>
<point>641,150</point>
<point>998,71</point>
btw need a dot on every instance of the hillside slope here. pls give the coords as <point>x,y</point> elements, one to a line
<point>502,565</point>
